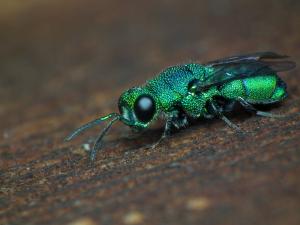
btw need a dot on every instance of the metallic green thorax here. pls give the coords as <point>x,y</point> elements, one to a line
<point>199,90</point>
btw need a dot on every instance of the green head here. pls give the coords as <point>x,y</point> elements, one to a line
<point>138,108</point>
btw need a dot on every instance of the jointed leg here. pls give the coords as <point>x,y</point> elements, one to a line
<point>167,131</point>
<point>217,111</point>
<point>250,107</point>
<point>173,120</point>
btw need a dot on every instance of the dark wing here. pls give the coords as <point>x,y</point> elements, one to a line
<point>238,67</point>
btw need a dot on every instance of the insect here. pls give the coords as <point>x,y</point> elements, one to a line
<point>190,91</point>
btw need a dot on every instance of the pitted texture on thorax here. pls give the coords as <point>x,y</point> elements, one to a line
<point>171,85</point>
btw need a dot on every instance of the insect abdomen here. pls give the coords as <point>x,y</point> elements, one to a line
<point>256,90</point>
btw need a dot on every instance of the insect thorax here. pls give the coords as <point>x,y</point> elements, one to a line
<point>171,85</point>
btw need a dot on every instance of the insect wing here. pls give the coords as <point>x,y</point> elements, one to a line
<point>249,57</point>
<point>238,67</point>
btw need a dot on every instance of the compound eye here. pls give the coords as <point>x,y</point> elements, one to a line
<point>144,108</point>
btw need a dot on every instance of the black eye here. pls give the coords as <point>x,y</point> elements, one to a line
<point>144,108</point>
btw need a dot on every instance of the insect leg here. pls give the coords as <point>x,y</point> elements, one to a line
<point>173,119</point>
<point>180,121</point>
<point>217,111</point>
<point>165,134</point>
<point>250,107</point>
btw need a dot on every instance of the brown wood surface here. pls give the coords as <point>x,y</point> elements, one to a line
<point>63,63</point>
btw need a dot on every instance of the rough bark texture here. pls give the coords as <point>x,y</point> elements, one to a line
<point>63,63</point>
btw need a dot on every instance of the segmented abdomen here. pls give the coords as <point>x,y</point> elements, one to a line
<point>257,90</point>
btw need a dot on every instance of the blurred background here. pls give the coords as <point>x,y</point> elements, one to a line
<point>63,62</point>
<point>71,46</point>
